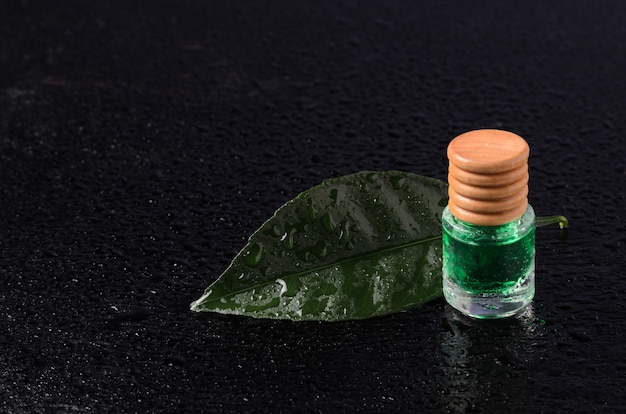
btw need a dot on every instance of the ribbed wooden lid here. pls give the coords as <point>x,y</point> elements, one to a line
<point>488,177</point>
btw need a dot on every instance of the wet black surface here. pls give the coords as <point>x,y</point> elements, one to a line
<point>142,142</point>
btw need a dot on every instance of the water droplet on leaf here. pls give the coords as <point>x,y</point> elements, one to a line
<point>254,255</point>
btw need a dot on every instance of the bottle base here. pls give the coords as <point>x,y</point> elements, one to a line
<point>490,305</point>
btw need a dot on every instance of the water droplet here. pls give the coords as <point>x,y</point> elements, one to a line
<point>333,196</point>
<point>327,222</point>
<point>397,182</point>
<point>254,255</point>
<point>288,235</point>
<point>320,249</point>
<point>275,231</point>
<point>344,231</point>
<point>283,286</point>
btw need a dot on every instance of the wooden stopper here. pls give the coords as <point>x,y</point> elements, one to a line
<point>488,177</point>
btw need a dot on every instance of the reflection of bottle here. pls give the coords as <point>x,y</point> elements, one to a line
<point>488,226</point>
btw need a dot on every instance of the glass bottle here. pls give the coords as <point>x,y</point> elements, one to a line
<point>488,225</point>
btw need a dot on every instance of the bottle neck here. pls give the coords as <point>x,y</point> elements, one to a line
<point>506,232</point>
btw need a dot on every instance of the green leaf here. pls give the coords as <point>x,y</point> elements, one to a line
<point>353,247</point>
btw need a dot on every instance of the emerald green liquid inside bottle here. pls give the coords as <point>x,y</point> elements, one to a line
<point>489,271</point>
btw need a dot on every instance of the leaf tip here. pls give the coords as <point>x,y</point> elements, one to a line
<point>196,305</point>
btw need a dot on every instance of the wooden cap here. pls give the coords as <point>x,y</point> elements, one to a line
<point>488,177</point>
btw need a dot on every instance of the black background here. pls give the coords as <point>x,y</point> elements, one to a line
<point>141,142</point>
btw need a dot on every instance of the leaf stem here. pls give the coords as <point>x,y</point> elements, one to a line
<point>544,221</point>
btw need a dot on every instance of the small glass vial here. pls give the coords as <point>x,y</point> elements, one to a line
<point>488,225</point>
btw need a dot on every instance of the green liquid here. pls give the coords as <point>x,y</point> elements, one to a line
<point>493,267</point>
<point>489,270</point>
